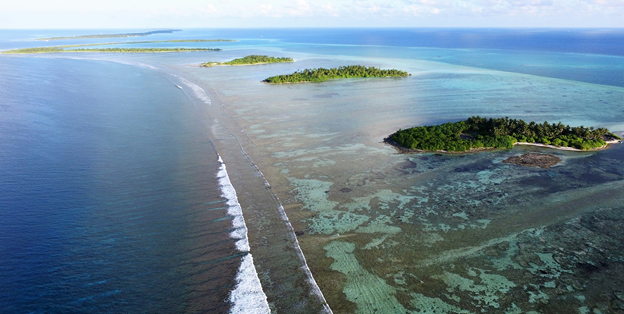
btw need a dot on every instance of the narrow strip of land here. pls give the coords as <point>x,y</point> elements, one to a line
<point>249,60</point>
<point>165,31</point>
<point>74,48</point>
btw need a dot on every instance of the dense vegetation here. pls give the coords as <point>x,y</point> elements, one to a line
<point>111,35</point>
<point>477,132</point>
<point>322,74</point>
<point>253,59</point>
<point>54,49</point>
<point>36,50</point>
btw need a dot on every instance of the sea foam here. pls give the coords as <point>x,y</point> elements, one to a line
<point>197,91</point>
<point>132,63</point>
<point>315,289</point>
<point>247,296</point>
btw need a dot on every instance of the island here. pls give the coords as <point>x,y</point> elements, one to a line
<point>74,48</point>
<point>165,31</point>
<point>322,74</point>
<point>248,60</point>
<point>477,133</point>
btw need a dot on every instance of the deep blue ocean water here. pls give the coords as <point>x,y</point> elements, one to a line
<point>585,55</point>
<point>109,200</point>
<point>594,41</point>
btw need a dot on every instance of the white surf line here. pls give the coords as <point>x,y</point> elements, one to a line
<point>316,290</point>
<point>197,91</point>
<point>133,63</point>
<point>247,296</point>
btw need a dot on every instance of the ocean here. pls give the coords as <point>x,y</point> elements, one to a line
<point>110,200</point>
<point>144,183</point>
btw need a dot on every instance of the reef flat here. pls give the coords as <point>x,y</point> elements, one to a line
<point>420,233</point>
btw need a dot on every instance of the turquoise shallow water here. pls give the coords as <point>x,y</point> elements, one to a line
<point>430,233</point>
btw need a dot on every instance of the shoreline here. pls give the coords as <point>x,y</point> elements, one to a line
<point>403,150</point>
<point>570,148</point>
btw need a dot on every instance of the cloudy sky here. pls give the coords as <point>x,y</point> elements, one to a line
<point>308,13</point>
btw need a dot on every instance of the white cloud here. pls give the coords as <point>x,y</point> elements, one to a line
<point>248,13</point>
<point>300,8</point>
<point>415,10</point>
<point>210,8</point>
<point>531,3</point>
<point>264,9</point>
<point>607,3</point>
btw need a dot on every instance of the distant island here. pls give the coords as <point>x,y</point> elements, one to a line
<point>248,60</point>
<point>322,74</point>
<point>481,133</point>
<point>166,31</point>
<point>129,50</point>
<point>73,48</point>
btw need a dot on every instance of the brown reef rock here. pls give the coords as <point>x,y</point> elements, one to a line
<point>534,160</point>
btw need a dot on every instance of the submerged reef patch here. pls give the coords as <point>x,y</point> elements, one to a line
<point>534,160</point>
<point>370,293</point>
<point>570,267</point>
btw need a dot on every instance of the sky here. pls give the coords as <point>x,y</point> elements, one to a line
<point>140,14</point>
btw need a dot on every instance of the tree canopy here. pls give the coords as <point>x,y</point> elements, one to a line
<point>478,132</point>
<point>322,74</point>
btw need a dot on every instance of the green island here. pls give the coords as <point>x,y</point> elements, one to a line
<point>322,74</point>
<point>482,133</point>
<point>166,31</point>
<point>248,60</point>
<point>56,49</point>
